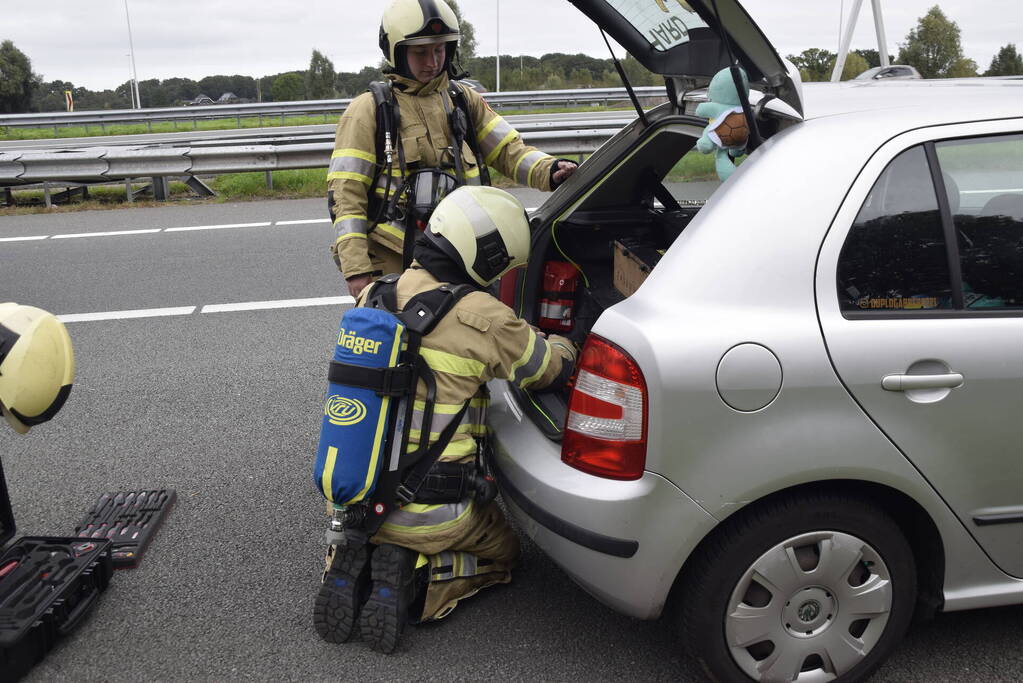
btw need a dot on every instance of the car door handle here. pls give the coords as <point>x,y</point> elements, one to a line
<point>949,380</point>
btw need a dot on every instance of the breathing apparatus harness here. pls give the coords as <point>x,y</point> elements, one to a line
<point>408,476</point>
<point>422,188</point>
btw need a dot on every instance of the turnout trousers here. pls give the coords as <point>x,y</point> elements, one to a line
<point>466,547</point>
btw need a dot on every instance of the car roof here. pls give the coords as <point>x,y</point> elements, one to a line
<point>931,102</point>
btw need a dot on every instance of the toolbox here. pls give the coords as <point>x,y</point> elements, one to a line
<point>632,261</point>
<point>129,519</point>
<point>48,586</point>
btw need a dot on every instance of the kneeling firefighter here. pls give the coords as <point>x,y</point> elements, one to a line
<point>415,527</point>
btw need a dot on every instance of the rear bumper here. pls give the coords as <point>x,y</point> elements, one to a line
<point>623,541</point>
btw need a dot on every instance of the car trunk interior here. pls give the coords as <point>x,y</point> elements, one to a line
<point>597,250</point>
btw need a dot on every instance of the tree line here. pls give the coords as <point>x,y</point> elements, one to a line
<point>933,47</point>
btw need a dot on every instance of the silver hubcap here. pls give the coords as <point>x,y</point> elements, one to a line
<point>809,609</point>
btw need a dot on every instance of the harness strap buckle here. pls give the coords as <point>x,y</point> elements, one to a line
<point>404,494</point>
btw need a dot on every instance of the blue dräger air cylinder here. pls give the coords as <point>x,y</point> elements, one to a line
<point>354,431</point>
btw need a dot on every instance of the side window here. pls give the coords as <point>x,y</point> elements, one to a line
<point>894,256</point>
<point>693,178</point>
<point>984,181</point>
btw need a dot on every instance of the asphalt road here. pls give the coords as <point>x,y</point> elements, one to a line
<point>224,407</point>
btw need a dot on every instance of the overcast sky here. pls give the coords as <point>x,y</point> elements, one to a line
<point>87,42</point>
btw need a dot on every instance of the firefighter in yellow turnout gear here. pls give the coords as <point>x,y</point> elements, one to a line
<point>457,548</point>
<point>419,39</point>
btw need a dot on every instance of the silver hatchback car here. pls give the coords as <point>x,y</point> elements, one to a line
<point>795,417</point>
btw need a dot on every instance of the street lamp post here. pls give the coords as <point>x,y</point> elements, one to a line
<point>498,45</point>
<point>136,100</point>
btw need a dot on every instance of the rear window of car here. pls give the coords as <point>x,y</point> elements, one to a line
<point>900,254</point>
<point>664,23</point>
<point>894,258</point>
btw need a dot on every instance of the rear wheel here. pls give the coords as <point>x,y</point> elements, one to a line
<point>816,588</point>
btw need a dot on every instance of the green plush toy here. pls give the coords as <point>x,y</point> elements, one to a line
<point>727,133</point>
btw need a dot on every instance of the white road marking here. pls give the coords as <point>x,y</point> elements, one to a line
<point>305,222</point>
<point>117,233</point>
<point>1006,191</point>
<point>125,315</point>
<point>104,234</point>
<point>153,230</point>
<point>219,227</point>
<point>210,308</point>
<point>283,303</point>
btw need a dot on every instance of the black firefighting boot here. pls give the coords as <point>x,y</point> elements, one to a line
<point>394,590</point>
<point>343,591</point>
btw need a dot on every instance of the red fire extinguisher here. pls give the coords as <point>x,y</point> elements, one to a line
<point>557,302</point>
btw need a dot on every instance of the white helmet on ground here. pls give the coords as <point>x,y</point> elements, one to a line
<point>482,229</point>
<point>416,22</point>
<point>37,365</point>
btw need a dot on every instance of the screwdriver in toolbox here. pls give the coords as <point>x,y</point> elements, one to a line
<point>9,567</point>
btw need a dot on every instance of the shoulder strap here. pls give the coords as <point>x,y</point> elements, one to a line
<point>462,104</point>
<point>384,294</point>
<point>423,311</point>
<point>384,101</point>
<point>388,126</point>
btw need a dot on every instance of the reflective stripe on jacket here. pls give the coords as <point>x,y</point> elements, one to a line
<point>479,339</point>
<point>425,140</point>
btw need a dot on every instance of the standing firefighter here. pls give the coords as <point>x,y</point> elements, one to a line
<point>421,530</point>
<point>412,138</point>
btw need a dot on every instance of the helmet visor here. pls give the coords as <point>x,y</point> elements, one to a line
<point>431,40</point>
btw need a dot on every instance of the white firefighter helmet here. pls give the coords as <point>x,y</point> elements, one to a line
<point>416,22</point>
<point>483,229</point>
<point>37,365</point>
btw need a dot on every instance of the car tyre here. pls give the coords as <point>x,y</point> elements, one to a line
<point>816,587</point>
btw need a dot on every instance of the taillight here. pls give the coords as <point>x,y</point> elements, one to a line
<point>605,433</point>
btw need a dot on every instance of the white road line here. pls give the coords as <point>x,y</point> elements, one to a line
<point>283,303</point>
<point>219,227</point>
<point>104,234</point>
<point>124,315</point>
<point>23,239</point>
<point>305,222</point>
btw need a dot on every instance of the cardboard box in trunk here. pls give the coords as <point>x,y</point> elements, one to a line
<point>632,261</point>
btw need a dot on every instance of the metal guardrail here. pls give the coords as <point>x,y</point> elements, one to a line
<point>284,109</point>
<point>104,164</point>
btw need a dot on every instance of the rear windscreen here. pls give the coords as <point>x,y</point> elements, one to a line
<point>663,23</point>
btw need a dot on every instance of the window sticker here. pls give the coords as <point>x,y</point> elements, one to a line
<point>664,23</point>
<point>897,302</point>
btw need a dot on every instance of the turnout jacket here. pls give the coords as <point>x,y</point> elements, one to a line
<point>479,339</point>
<point>425,138</point>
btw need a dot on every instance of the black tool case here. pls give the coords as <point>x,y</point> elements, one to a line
<point>129,519</point>
<point>48,586</point>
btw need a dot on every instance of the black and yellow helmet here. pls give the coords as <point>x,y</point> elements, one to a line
<point>37,365</point>
<point>416,22</point>
<point>483,229</point>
